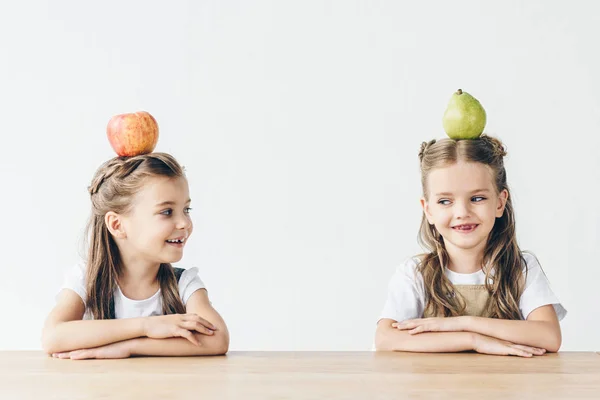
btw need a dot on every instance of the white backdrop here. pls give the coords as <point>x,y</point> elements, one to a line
<point>299,125</point>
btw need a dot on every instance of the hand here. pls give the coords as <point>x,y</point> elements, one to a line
<point>489,345</point>
<point>177,325</point>
<point>420,325</point>
<point>113,351</point>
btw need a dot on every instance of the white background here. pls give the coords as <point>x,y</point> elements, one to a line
<point>299,125</point>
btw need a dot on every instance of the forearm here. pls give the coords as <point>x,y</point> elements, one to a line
<point>174,347</point>
<point>391,339</point>
<point>82,334</point>
<point>539,334</point>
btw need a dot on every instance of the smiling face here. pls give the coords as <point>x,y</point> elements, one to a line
<point>463,204</point>
<point>158,225</point>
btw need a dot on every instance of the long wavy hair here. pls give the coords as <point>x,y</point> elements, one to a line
<point>502,256</point>
<point>112,189</point>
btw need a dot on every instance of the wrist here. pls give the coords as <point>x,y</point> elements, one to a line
<point>133,346</point>
<point>466,323</point>
<point>473,340</point>
<point>141,326</point>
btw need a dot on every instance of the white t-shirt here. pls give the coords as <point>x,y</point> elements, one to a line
<point>128,308</point>
<point>406,292</point>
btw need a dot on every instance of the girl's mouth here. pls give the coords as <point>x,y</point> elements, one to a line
<point>178,242</point>
<point>465,228</point>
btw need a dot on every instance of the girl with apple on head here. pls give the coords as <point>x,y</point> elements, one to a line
<point>474,290</point>
<point>127,299</point>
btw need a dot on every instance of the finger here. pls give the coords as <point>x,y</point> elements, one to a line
<point>410,322</point>
<point>519,352</point>
<point>197,318</point>
<point>64,355</point>
<point>418,329</point>
<point>81,354</point>
<point>184,333</point>
<point>529,349</point>
<point>202,322</point>
<point>537,351</point>
<point>196,326</point>
<point>203,329</point>
<point>406,325</point>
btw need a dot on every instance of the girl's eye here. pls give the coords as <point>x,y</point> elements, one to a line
<point>444,202</point>
<point>187,210</point>
<point>477,199</point>
<point>167,212</point>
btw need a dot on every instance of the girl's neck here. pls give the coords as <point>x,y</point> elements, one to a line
<point>465,261</point>
<point>137,272</point>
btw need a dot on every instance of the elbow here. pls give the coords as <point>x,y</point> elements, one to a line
<point>220,346</point>
<point>49,345</point>
<point>221,351</point>
<point>554,344</point>
<point>382,342</point>
<point>48,348</point>
<point>382,346</point>
<point>553,348</point>
<point>52,342</point>
<point>553,339</point>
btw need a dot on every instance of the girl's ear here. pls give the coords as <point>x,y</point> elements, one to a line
<point>502,199</point>
<point>425,207</point>
<point>114,224</point>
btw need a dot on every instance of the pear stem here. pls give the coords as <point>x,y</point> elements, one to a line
<point>459,91</point>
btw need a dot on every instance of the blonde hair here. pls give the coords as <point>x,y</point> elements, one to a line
<point>112,188</point>
<point>502,256</point>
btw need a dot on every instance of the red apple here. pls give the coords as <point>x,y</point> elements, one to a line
<point>132,134</point>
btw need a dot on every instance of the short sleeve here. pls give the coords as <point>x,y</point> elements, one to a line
<point>75,280</point>
<point>406,296</point>
<point>188,283</point>
<point>537,291</point>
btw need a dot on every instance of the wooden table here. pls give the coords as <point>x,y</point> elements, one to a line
<point>303,375</point>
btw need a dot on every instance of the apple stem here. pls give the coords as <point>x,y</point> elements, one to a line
<point>459,91</point>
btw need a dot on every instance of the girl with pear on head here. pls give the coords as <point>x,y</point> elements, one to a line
<point>474,289</point>
<point>126,298</point>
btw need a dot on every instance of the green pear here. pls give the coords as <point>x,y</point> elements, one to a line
<point>464,117</point>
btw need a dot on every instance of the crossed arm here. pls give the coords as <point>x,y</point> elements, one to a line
<point>539,333</point>
<point>66,335</point>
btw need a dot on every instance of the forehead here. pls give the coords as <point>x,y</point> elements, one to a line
<point>160,189</point>
<point>460,178</point>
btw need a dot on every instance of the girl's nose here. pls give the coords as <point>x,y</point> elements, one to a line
<point>184,222</point>
<point>462,209</point>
